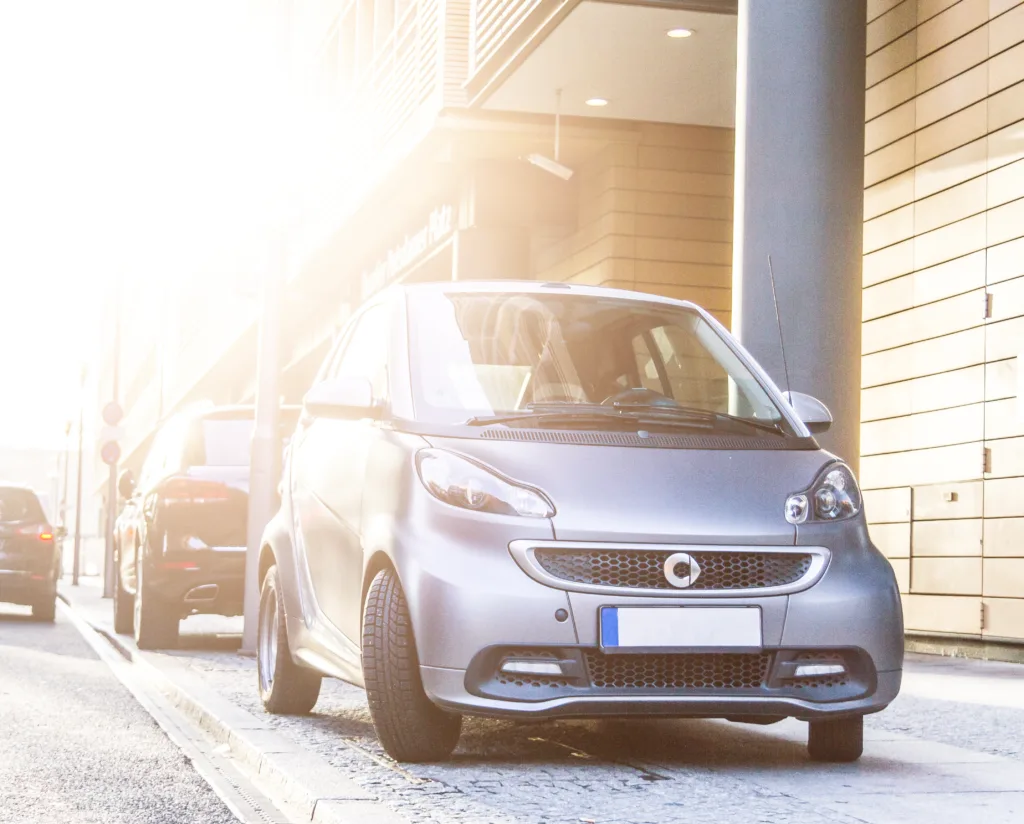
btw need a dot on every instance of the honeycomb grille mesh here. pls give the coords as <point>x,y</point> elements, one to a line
<point>644,569</point>
<point>702,671</point>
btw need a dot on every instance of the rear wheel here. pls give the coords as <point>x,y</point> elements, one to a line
<point>285,687</point>
<point>124,605</point>
<point>410,727</point>
<point>838,741</point>
<point>155,626</point>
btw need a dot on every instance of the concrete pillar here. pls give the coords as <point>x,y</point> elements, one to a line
<point>799,198</point>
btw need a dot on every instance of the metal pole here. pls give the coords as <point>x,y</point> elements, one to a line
<point>78,493</point>
<point>108,554</point>
<point>266,444</point>
<point>67,461</point>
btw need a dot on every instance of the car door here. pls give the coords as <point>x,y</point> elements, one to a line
<point>328,465</point>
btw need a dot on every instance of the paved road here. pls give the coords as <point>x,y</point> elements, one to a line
<point>76,748</point>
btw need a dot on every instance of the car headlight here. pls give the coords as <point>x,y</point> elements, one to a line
<point>833,497</point>
<point>465,483</point>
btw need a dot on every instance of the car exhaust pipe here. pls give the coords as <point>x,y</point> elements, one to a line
<point>206,592</point>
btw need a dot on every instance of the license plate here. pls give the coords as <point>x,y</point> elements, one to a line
<point>636,629</point>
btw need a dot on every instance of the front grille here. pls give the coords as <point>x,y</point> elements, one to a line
<point>644,569</point>
<point>700,671</point>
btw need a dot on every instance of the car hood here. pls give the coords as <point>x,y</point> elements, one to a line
<point>645,494</point>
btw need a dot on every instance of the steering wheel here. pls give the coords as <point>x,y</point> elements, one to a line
<point>638,396</point>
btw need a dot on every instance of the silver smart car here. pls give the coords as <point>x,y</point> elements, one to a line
<point>534,500</point>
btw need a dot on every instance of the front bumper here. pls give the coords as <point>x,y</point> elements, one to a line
<point>467,603</point>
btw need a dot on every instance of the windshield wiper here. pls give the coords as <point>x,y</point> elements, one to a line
<point>590,413</point>
<point>690,412</point>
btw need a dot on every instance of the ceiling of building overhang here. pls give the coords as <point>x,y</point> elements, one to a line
<point>622,53</point>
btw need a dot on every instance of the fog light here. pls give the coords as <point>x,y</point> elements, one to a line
<point>531,667</point>
<point>813,670</point>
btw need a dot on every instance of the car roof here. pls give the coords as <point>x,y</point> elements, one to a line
<point>536,287</point>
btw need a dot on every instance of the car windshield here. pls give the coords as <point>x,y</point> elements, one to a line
<point>227,441</point>
<point>19,505</point>
<point>476,355</point>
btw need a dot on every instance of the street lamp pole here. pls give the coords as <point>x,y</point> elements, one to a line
<point>77,563</point>
<point>108,553</point>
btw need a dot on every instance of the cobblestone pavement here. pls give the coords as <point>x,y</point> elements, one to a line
<point>951,746</point>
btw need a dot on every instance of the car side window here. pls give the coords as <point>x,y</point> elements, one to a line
<point>366,354</point>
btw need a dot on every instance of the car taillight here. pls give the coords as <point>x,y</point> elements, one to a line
<point>45,536</point>
<point>192,491</point>
<point>43,533</point>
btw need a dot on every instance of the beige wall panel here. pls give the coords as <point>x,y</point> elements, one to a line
<point>1005,184</point>
<point>1004,147</point>
<point>1008,298</point>
<point>941,391</point>
<point>889,194</point>
<point>1006,107</point>
<point>1008,30</point>
<point>952,168</point>
<point>891,25</point>
<point>876,8</point>
<point>1007,457</point>
<point>997,7</point>
<point>927,466</point>
<point>936,613</point>
<point>887,506</point>
<point>962,424</point>
<point>923,322</point>
<point>1001,379</point>
<point>714,300</point>
<point>1004,618</point>
<point>950,25</point>
<point>928,357</point>
<point>1002,419</point>
<point>950,206</point>
<point>890,127</point>
<point>887,298</point>
<point>683,228</point>
<point>1006,68</point>
<point>692,183</point>
<point>892,540</point>
<point>952,241</point>
<point>691,160</point>
<point>956,93</point>
<point>957,57</point>
<point>891,160</point>
<point>702,138</point>
<point>1004,339</point>
<point>945,576</point>
<point>927,9</point>
<point>901,569</point>
<point>683,251</point>
<point>667,203</point>
<point>1004,498</point>
<point>946,538</point>
<point>1004,537</point>
<point>952,132</point>
<point>1005,261</point>
<point>697,274</point>
<point>887,61</point>
<point>1004,577</point>
<point>889,263</point>
<point>1006,222</point>
<point>622,201</point>
<point>890,93</point>
<point>889,229</point>
<point>931,504</point>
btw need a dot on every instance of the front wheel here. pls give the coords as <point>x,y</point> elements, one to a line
<point>410,727</point>
<point>285,687</point>
<point>838,741</point>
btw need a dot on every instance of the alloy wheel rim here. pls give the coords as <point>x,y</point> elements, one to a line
<point>267,642</point>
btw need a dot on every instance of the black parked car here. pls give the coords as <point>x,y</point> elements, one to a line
<point>180,539</point>
<point>30,562</point>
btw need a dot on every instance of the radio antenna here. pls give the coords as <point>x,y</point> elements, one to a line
<point>778,320</point>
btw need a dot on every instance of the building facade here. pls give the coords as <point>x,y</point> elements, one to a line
<point>873,150</point>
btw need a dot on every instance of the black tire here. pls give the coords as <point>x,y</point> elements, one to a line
<point>409,726</point>
<point>838,741</point>
<point>124,603</point>
<point>45,609</point>
<point>155,626</point>
<point>286,688</point>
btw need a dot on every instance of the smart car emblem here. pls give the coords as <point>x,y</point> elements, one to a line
<point>681,570</point>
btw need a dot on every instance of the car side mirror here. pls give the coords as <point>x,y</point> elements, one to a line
<point>343,398</point>
<point>811,411</point>
<point>126,484</point>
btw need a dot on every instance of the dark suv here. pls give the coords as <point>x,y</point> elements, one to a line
<point>30,561</point>
<point>180,540</point>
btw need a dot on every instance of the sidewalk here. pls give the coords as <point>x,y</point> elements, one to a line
<point>207,659</point>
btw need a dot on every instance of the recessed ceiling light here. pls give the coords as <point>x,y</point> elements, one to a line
<point>679,34</point>
<point>597,101</point>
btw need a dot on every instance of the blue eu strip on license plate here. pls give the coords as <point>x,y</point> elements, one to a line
<point>647,628</point>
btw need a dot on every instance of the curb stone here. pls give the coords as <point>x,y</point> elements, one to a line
<point>292,775</point>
